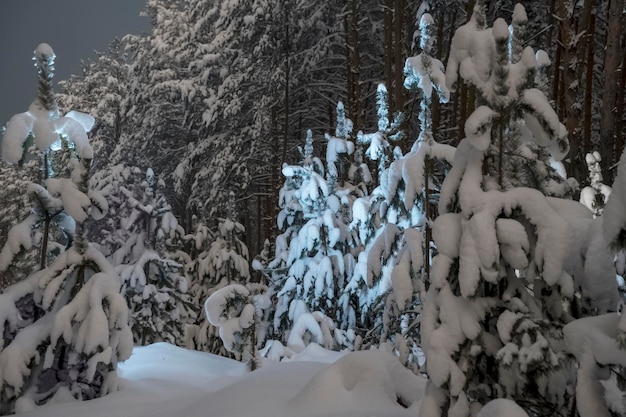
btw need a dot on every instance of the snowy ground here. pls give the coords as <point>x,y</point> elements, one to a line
<point>162,380</point>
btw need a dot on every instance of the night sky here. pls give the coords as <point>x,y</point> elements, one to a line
<point>74,29</point>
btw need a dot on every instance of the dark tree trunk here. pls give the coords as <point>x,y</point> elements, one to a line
<point>609,93</point>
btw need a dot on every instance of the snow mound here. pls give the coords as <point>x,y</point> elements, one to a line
<point>372,377</point>
<point>162,380</point>
<point>502,408</point>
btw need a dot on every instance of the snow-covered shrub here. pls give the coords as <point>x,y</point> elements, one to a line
<point>238,312</point>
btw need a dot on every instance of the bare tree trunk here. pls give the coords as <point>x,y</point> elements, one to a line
<point>272,199</point>
<point>572,110</point>
<point>589,88</point>
<point>354,63</point>
<point>619,108</point>
<point>557,65</point>
<point>586,24</point>
<point>286,108</point>
<point>399,53</point>
<point>609,94</point>
<point>429,215</point>
<point>388,51</point>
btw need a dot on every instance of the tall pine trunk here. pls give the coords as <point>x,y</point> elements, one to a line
<point>609,94</point>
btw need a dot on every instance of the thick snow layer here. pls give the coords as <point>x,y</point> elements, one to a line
<point>502,408</point>
<point>162,380</point>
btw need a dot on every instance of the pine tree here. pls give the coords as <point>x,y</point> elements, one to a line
<point>153,284</point>
<point>493,315</point>
<point>396,257</point>
<point>65,327</point>
<point>312,255</point>
<point>32,144</point>
<point>224,262</point>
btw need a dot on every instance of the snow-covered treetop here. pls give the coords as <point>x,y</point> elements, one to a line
<point>42,122</point>
<point>426,26</point>
<point>307,151</point>
<point>423,71</point>
<point>519,14</point>
<point>382,107</point>
<point>44,55</point>
<point>344,125</point>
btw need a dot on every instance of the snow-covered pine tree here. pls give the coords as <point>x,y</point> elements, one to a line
<point>224,262</point>
<point>35,159</point>
<point>395,258</point>
<point>65,327</point>
<point>313,254</point>
<point>367,215</point>
<point>505,269</point>
<point>153,284</point>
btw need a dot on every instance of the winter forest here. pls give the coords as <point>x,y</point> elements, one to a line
<point>436,179</point>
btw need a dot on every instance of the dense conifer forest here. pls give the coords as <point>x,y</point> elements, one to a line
<point>440,179</point>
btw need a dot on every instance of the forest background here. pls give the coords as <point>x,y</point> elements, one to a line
<point>228,103</point>
<point>229,116</point>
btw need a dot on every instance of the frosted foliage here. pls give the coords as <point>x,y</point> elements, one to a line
<point>313,256</point>
<point>597,278</point>
<point>17,130</point>
<point>478,127</point>
<point>410,258</point>
<point>216,305</point>
<point>471,50</point>
<point>143,243</point>
<point>615,211</point>
<point>237,312</point>
<point>447,234</point>
<point>596,341</point>
<point>45,131</point>
<point>514,244</point>
<point>92,326</point>
<point>19,237</point>
<point>316,327</point>
<point>75,202</point>
<point>313,190</point>
<point>427,74</point>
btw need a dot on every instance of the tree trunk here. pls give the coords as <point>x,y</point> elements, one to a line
<point>286,108</point>
<point>429,215</point>
<point>619,108</point>
<point>572,110</point>
<point>354,63</point>
<point>388,51</point>
<point>557,65</point>
<point>586,23</point>
<point>44,242</point>
<point>589,88</point>
<point>399,54</point>
<point>609,93</point>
